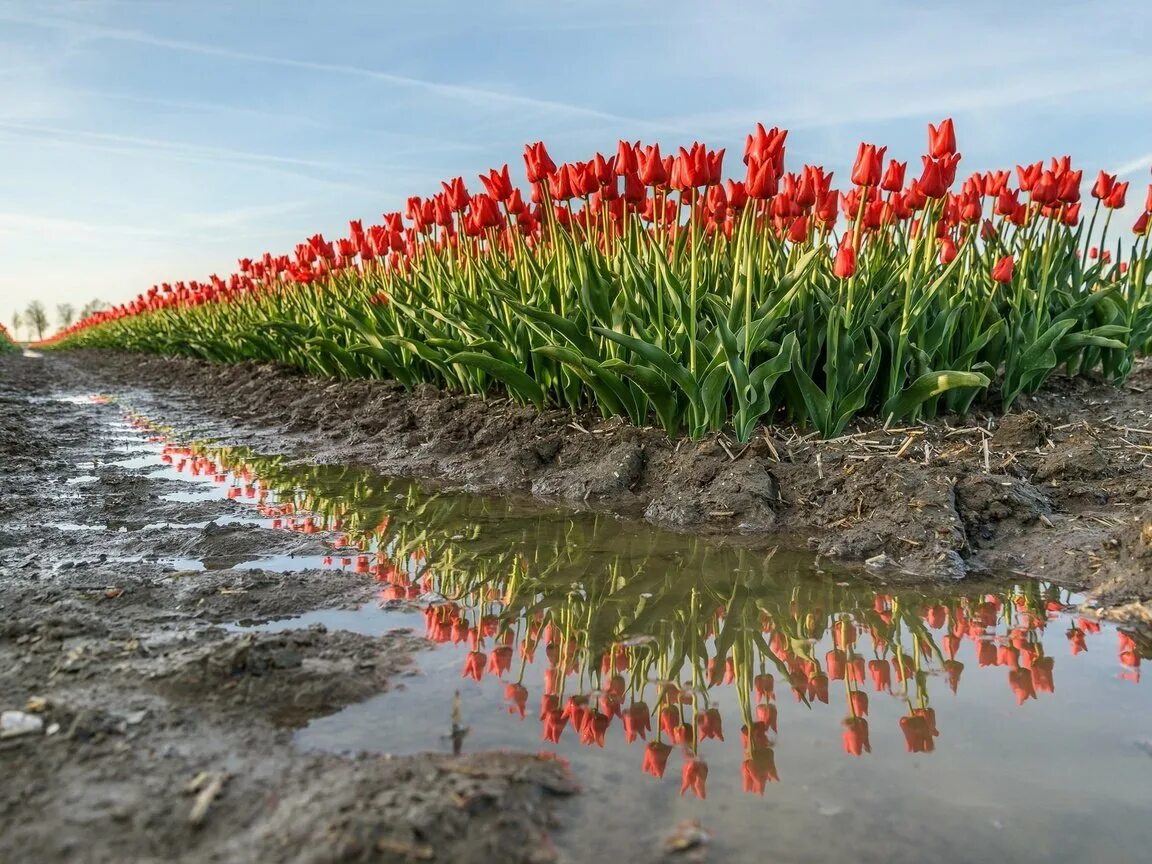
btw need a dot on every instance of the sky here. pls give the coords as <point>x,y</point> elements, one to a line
<point>144,141</point>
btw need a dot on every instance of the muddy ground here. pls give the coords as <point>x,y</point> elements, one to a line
<point>1060,489</point>
<point>171,734</point>
<point>164,736</point>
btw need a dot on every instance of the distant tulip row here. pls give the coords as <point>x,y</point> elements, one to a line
<point>647,286</point>
<point>7,343</point>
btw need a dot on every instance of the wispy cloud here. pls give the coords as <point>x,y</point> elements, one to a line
<point>296,119</point>
<point>179,149</point>
<point>1140,163</point>
<point>459,92</point>
<point>26,223</point>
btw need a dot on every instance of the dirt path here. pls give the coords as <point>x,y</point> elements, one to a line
<point>163,736</point>
<point>1061,489</point>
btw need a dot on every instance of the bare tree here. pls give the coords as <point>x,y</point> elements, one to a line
<point>37,318</point>
<point>17,323</point>
<point>65,315</point>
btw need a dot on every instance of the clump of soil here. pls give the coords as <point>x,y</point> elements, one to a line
<point>1044,491</point>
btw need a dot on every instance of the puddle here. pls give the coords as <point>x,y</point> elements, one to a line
<point>799,716</point>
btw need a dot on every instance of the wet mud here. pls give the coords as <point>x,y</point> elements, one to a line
<point>1061,489</point>
<point>159,731</point>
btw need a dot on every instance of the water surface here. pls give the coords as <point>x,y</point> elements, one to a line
<point>798,712</point>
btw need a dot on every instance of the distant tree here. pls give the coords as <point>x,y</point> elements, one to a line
<point>17,323</point>
<point>37,318</point>
<point>92,307</point>
<point>65,314</point>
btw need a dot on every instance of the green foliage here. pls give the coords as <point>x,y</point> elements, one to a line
<point>726,333</point>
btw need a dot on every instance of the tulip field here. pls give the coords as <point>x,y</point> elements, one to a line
<point>648,286</point>
<point>6,341</point>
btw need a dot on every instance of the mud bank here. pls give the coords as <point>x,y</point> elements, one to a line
<point>1059,489</point>
<point>157,734</point>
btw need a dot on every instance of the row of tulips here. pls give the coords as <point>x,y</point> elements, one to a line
<point>7,343</point>
<point>652,645</point>
<point>645,285</point>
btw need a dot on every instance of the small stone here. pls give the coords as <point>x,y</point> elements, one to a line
<point>14,724</point>
<point>880,563</point>
<point>688,834</point>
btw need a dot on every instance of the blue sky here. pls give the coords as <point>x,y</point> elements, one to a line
<point>149,141</point>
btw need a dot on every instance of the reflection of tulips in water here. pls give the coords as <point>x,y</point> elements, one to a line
<point>644,640</point>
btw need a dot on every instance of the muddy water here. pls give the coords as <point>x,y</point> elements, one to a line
<point>756,698</point>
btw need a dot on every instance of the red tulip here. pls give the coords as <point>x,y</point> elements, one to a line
<point>756,737</point>
<point>855,669</point>
<point>869,164</point>
<point>932,183</point>
<point>856,736</point>
<point>765,146</point>
<point>1042,675</point>
<point>656,758</point>
<point>694,776</point>
<point>758,770</point>
<point>500,660</point>
<point>1077,640</point>
<point>538,162</point>
<point>995,183</point>
<point>652,172</point>
<point>917,734</point>
<point>767,714</point>
<point>669,719</point>
<point>594,728</point>
<point>1102,188</point>
<point>1003,270</point>
<point>1029,175</point>
<point>710,724</point>
<point>844,265</point>
<point>517,695</point>
<point>834,660</point>
<point>903,666</point>
<point>881,675</point>
<point>554,725</point>
<point>818,688</point>
<point>637,721</point>
<point>762,180</point>
<point>765,685</point>
<point>576,712</point>
<point>893,180</point>
<point>626,162</point>
<point>498,184</point>
<point>952,670</point>
<point>474,665</point>
<point>942,140</point>
<point>562,185</point>
<point>798,232</point>
<point>1020,680</point>
<point>1115,199</point>
<point>858,703</point>
<point>456,194</point>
